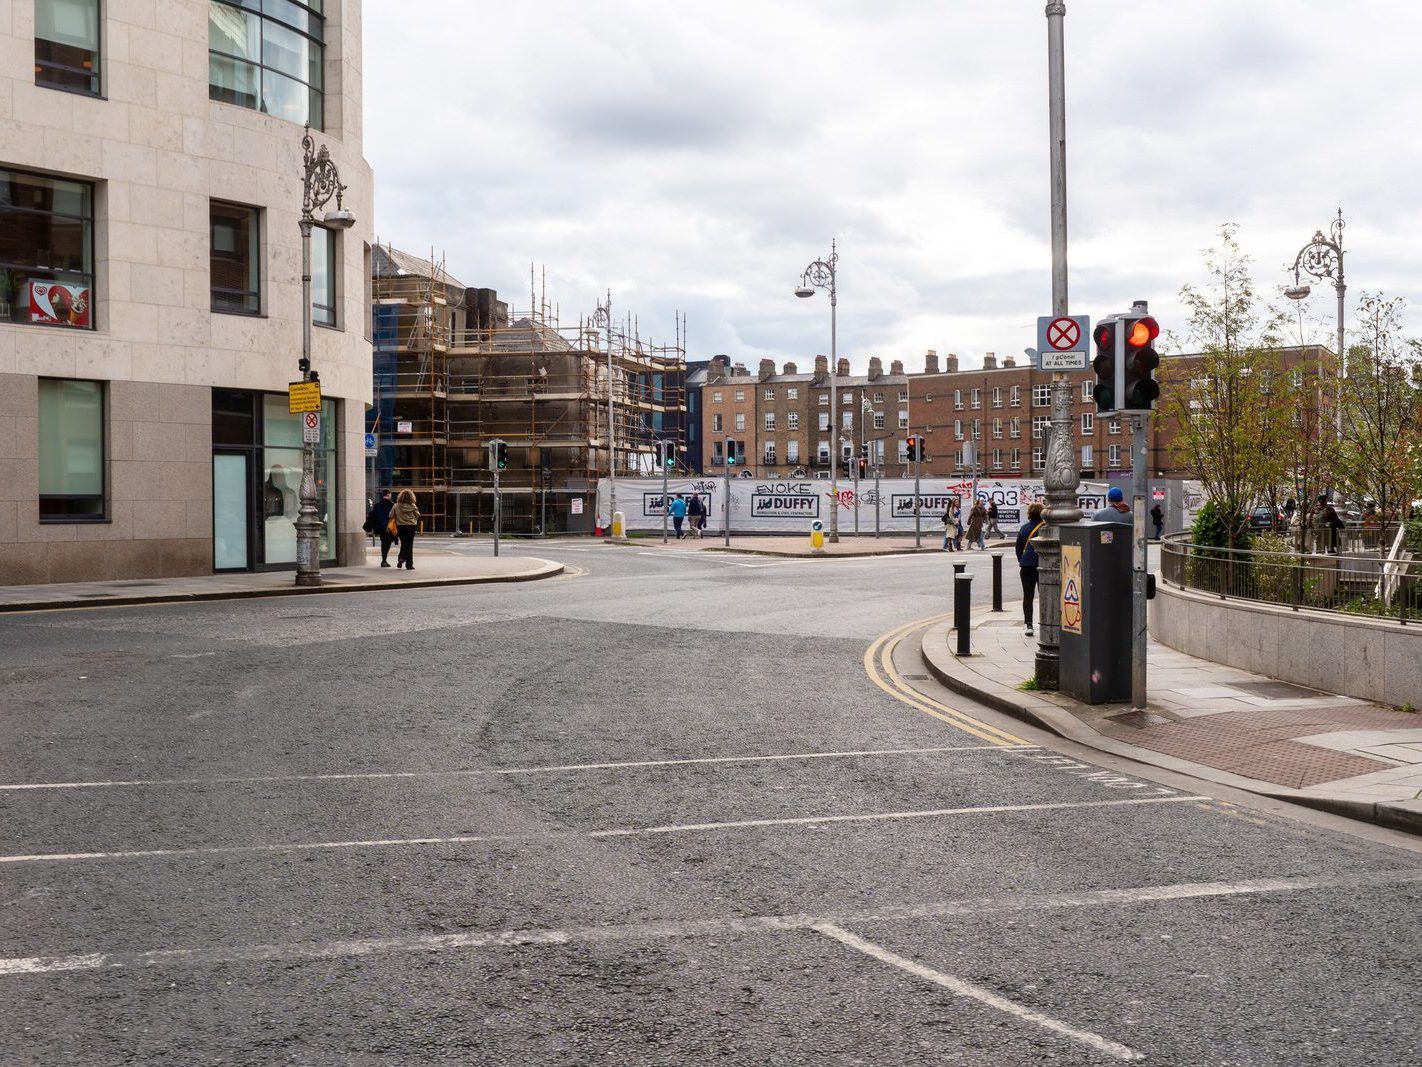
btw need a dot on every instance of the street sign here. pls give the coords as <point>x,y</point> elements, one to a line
<point>1062,341</point>
<point>577,508</point>
<point>371,444</point>
<point>302,397</point>
<point>404,427</point>
<point>311,428</point>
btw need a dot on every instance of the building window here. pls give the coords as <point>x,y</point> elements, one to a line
<point>716,457</point>
<point>323,276</point>
<point>846,420</point>
<point>823,452</point>
<point>792,420</point>
<point>958,459</point>
<point>715,396</point>
<point>1114,456</point>
<point>824,421</point>
<point>1041,395</point>
<point>957,400</point>
<point>903,451</point>
<point>716,423</point>
<point>769,394</point>
<point>1039,459</point>
<point>1086,390</point>
<point>903,420</point>
<point>1015,399</point>
<point>977,429</point>
<point>997,459</point>
<point>824,400</point>
<point>67,45</point>
<point>71,451</point>
<point>977,398</point>
<point>792,451</point>
<point>1113,426</point>
<point>1017,459</point>
<point>846,398</point>
<point>740,422</point>
<point>903,396</point>
<point>997,396</point>
<point>46,250</point>
<point>957,429</point>
<point>879,397</point>
<point>236,259</point>
<point>770,420</point>
<point>878,420</point>
<point>769,456</point>
<point>1088,422</point>
<point>1015,427</point>
<point>267,62</point>
<point>792,393</point>
<point>997,429</point>
<point>740,396</point>
<point>1039,426</point>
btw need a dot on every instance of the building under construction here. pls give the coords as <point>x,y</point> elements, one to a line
<point>455,371</point>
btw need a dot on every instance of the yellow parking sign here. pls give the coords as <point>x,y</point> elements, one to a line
<point>302,397</point>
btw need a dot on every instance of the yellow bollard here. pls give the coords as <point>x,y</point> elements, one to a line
<point>817,537</point>
<point>617,522</point>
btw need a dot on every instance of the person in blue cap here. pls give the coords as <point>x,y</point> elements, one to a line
<point>1116,509</point>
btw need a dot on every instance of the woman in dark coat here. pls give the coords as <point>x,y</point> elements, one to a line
<point>378,522</point>
<point>407,520</point>
<point>1027,560</point>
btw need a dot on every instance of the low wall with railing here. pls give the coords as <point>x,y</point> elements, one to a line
<point>1342,623</point>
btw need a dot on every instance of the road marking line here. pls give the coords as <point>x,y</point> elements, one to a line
<point>878,663</point>
<point>637,831</point>
<point>490,772</point>
<point>985,906</point>
<point>961,988</point>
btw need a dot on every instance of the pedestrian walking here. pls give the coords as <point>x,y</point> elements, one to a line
<point>377,521</point>
<point>407,519</point>
<point>976,519</point>
<point>1158,517</point>
<point>1027,560</point>
<point>993,528</point>
<point>950,527</point>
<point>1330,521</point>
<point>696,511</point>
<point>1116,509</point>
<point>678,514</point>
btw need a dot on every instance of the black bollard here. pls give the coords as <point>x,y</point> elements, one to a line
<point>997,581</point>
<point>962,605</point>
<point>959,568</point>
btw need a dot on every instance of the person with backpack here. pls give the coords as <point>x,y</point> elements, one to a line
<point>378,521</point>
<point>696,510</point>
<point>1027,560</point>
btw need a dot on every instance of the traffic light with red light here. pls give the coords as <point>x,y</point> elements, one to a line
<point>915,447</point>
<point>1104,365</point>
<point>863,466</point>
<point>1138,363</point>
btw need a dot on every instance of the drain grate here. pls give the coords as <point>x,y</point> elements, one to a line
<point>1140,719</point>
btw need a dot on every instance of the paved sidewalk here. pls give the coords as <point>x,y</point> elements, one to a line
<point>864,545</point>
<point>433,566</point>
<point>1210,721</point>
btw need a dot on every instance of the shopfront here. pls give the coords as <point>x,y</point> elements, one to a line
<point>256,480</point>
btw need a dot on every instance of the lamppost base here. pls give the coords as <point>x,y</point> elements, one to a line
<point>307,581</point>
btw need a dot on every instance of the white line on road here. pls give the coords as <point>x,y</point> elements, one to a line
<point>674,928</point>
<point>474,773</point>
<point>959,987</point>
<point>468,839</point>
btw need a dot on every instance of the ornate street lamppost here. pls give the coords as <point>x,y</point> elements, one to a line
<point>1322,259</point>
<point>320,182</point>
<point>821,275</point>
<point>603,317</point>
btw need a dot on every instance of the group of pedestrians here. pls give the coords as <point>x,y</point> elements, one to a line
<point>982,520</point>
<point>690,507</point>
<point>395,520</point>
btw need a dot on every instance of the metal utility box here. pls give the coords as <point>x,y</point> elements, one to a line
<point>1095,664</point>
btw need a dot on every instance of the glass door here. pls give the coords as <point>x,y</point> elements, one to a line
<point>231,511</point>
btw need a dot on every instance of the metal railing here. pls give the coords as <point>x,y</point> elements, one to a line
<point>1384,583</point>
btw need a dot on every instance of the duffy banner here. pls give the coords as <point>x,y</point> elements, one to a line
<point>788,506</point>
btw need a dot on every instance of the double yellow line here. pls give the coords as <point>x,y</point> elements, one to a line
<point>879,665</point>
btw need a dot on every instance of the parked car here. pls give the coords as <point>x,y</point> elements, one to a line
<point>1267,518</point>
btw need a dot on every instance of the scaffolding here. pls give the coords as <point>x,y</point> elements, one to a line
<point>462,370</point>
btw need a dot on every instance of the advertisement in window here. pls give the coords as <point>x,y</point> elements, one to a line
<point>54,304</point>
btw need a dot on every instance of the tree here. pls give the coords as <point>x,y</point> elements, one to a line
<point>1230,407</point>
<point>1380,441</point>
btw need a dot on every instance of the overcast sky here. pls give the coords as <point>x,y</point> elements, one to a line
<point>697,157</point>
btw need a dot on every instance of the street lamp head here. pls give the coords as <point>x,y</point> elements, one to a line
<point>1297,292</point>
<point>804,291</point>
<point>340,220</point>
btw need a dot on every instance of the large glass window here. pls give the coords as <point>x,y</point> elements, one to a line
<point>46,250</point>
<point>323,276</point>
<point>281,477</point>
<point>67,45</point>
<point>71,451</point>
<point>267,55</point>
<point>236,259</point>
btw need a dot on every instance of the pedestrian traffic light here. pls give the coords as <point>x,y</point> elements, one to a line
<point>1138,364</point>
<point>1104,365</point>
<point>501,455</point>
<point>863,466</point>
<point>730,453</point>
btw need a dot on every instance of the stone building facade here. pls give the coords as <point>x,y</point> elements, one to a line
<point>150,284</point>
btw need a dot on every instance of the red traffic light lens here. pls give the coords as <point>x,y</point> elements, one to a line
<point>1143,332</point>
<point>1105,335</point>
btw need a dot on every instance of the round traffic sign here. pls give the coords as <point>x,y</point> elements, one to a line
<point>313,419</point>
<point>1063,334</point>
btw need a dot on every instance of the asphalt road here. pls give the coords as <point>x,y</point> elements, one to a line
<point>656,811</point>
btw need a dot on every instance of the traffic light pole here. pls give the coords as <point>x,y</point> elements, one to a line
<point>877,499</point>
<point>917,497</point>
<point>1140,474</point>
<point>856,496</point>
<point>498,510</point>
<point>666,504</point>
<point>726,510</point>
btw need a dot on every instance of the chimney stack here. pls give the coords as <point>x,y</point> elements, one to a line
<point>896,367</point>
<point>1009,362</point>
<point>876,367</point>
<point>790,369</point>
<point>990,361</point>
<point>821,368</point>
<point>739,371</point>
<point>930,362</point>
<point>952,363</point>
<point>842,368</point>
<point>767,369</point>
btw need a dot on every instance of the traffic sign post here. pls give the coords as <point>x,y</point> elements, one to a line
<point>311,428</point>
<point>1062,341</point>
<point>302,397</point>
